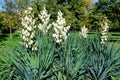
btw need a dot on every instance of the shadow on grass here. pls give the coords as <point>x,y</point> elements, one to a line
<point>3,37</point>
<point>115,35</point>
<point>114,40</point>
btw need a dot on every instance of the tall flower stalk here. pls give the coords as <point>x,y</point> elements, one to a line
<point>84,31</point>
<point>28,29</point>
<point>104,31</point>
<point>44,26</point>
<point>60,29</point>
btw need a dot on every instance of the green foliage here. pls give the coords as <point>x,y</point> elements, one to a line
<point>3,20</point>
<point>33,65</point>
<point>76,59</point>
<point>21,4</point>
<point>70,60</point>
<point>74,12</point>
<point>78,9</point>
<point>110,9</point>
<point>7,70</point>
<point>95,20</point>
<point>4,23</point>
<point>104,61</point>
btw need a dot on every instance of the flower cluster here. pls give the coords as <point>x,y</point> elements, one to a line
<point>104,32</point>
<point>60,29</point>
<point>28,29</point>
<point>44,17</point>
<point>84,31</point>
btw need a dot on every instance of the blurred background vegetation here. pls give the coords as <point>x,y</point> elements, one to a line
<point>77,13</point>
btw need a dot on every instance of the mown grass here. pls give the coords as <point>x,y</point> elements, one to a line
<point>113,37</point>
<point>8,43</point>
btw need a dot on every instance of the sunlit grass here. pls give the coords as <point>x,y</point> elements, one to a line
<point>8,43</point>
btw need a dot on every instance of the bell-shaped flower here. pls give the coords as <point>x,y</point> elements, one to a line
<point>104,32</point>
<point>84,31</point>
<point>60,29</point>
<point>44,26</point>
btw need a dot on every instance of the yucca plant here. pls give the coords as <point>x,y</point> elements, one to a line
<point>7,69</point>
<point>34,65</point>
<point>103,60</point>
<point>70,59</point>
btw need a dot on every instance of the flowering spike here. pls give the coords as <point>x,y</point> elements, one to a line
<point>60,29</point>
<point>28,29</point>
<point>104,32</point>
<point>44,17</point>
<point>84,31</point>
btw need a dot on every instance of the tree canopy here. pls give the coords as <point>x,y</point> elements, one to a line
<point>77,12</point>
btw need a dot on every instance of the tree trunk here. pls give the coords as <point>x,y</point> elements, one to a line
<point>10,26</point>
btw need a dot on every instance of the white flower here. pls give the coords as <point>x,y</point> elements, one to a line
<point>32,35</point>
<point>29,8</point>
<point>84,31</point>
<point>40,26</point>
<point>26,46</point>
<point>56,36</point>
<point>58,41</point>
<point>44,17</point>
<point>23,37</point>
<point>28,30</point>
<point>104,32</point>
<point>60,29</point>
<point>35,48</point>
<point>30,42</point>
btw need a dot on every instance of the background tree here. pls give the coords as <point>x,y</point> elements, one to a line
<point>79,9</point>
<point>4,24</point>
<point>22,4</point>
<point>110,9</point>
<point>114,14</point>
<point>76,12</point>
<point>9,7</point>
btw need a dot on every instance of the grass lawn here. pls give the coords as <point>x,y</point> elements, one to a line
<point>7,43</point>
<point>113,37</point>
